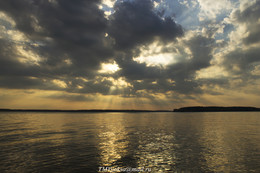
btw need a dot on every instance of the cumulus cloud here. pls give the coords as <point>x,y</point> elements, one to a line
<point>135,23</point>
<point>62,45</point>
<point>63,30</point>
<point>244,58</point>
<point>68,36</point>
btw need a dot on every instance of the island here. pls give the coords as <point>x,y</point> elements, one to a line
<point>217,109</point>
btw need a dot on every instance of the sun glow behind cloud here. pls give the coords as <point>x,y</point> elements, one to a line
<point>187,52</point>
<point>153,55</point>
<point>163,59</point>
<point>109,68</point>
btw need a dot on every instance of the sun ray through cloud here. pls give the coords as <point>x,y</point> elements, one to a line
<point>129,50</point>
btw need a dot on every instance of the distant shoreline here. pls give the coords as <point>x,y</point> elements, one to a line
<point>87,110</point>
<point>183,109</point>
<point>217,109</point>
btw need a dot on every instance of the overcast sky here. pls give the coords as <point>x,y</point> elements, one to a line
<point>129,54</point>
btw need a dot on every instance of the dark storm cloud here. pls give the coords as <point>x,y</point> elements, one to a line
<point>66,30</point>
<point>133,70</point>
<point>135,23</point>
<point>201,48</point>
<point>183,73</point>
<point>9,65</point>
<point>17,75</point>
<point>79,22</point>
<point>242,62</point>
<point>21,82</point>
<point>178,77</point>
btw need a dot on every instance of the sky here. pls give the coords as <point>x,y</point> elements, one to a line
<point>129,54</point>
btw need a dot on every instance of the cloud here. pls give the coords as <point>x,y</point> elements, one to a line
<point>250,16</point>
<point>213,9</point>
<point>65,30</point>
<point>242,62</point>
<point>135,23</point>
<point>183,72</point>
<point>244,58</point>
<point>62,45</point>
<point>10,64</point>
<point>71,97</point>
<point>69,37</point>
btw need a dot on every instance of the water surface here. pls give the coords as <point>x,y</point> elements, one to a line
<point>163,142</point>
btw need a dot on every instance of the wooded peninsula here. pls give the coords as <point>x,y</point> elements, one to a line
<point>217,109</point>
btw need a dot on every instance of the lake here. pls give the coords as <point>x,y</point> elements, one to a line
<point>155,142</point>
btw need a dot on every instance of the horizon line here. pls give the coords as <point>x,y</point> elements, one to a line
<point>82,110</point>
<point>181,109</point>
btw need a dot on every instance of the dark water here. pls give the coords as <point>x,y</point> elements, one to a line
<point>162,142</point>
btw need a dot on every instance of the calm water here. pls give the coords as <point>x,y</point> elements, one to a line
<point>163,142</point>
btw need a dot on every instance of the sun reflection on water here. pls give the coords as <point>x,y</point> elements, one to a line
<point>113,141</point>
<point>156,153</point>
<point>163,142</point>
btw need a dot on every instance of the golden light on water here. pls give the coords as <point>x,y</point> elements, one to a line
<point>103,58</point>
<point>113,140</point>
<point>163,142</point>
<point>157,152</point>
<point>205,56</point>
